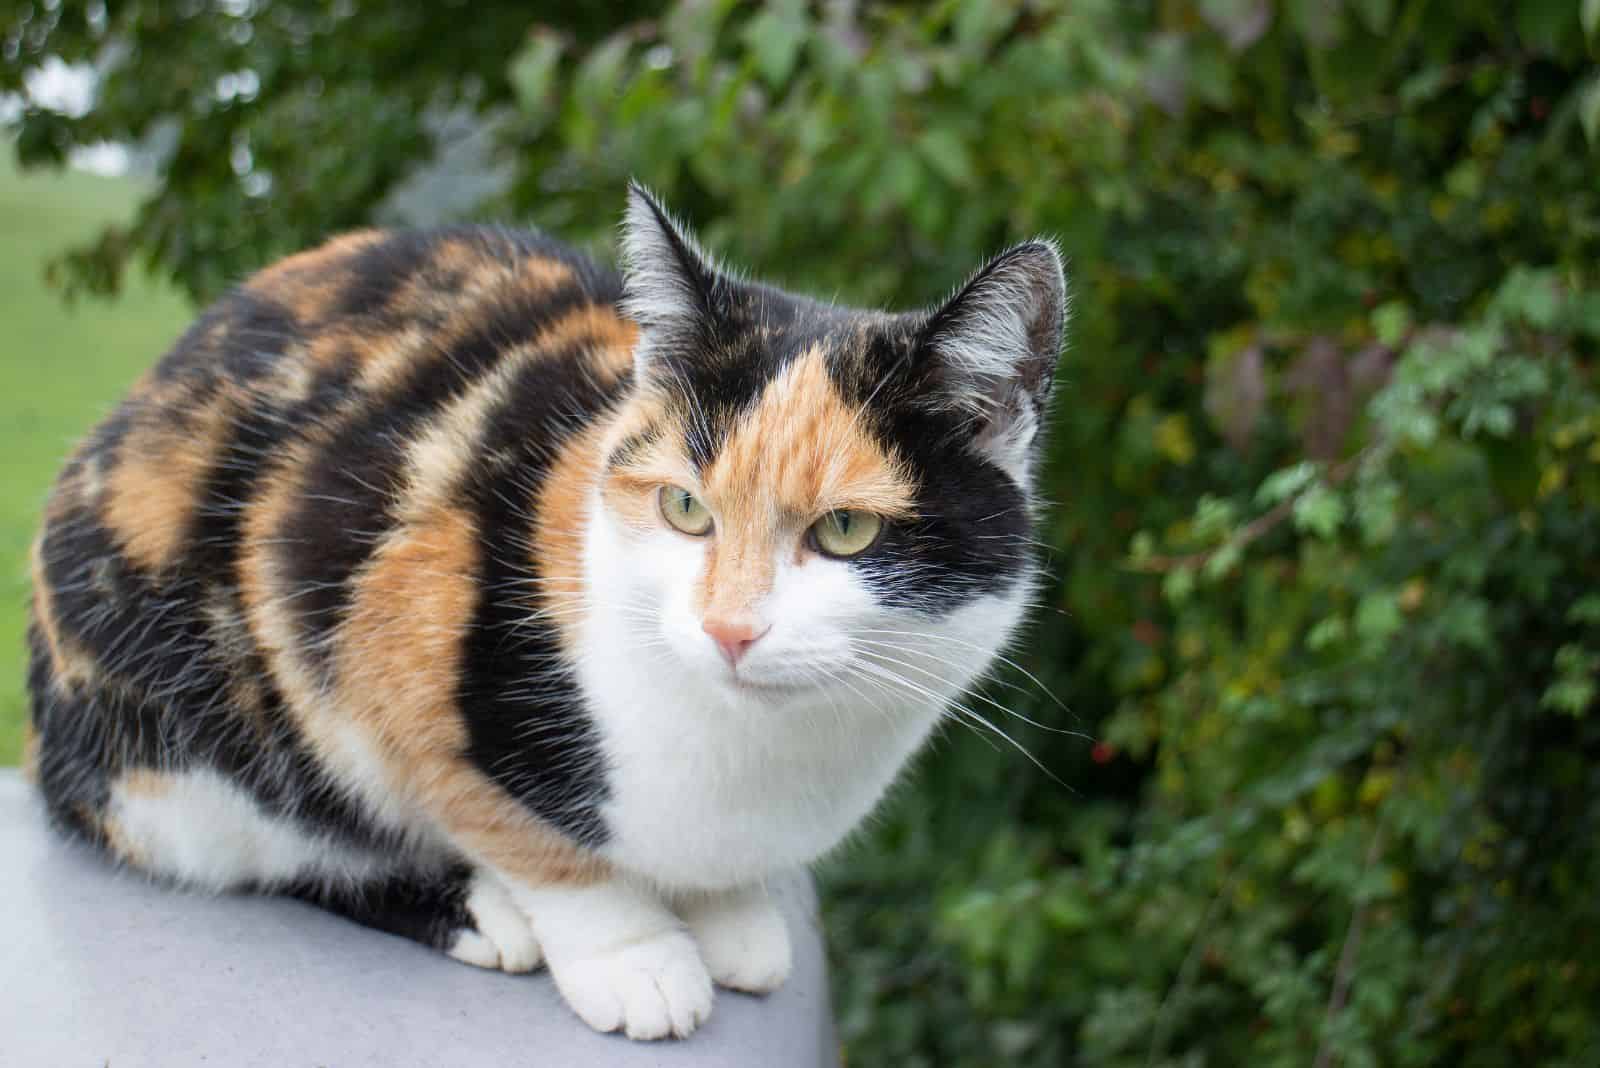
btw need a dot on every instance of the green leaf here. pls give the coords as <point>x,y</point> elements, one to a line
<point>1376,15</point>
<point>1327,633</point>
<point>947,153</point>
<point>1577,680</point>
<point>1589,110</point>
<point>1391,322</point>
<point>533,72</point>
<point>1378,616</point>
<point>599,77</point>
<point>1424,85</point>
<point>1221,562</point>
<point>1178,585</point>
<point>1532,295</point>
<point>1319,511</point>
<point>1589,14</point>
<point>1585,609</point>
<point>1281,485</point>
<point>775,37</point>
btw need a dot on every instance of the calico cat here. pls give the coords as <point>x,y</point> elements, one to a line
<point>536,612</point>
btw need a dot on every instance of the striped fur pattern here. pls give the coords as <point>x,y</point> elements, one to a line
<point>365,594</point>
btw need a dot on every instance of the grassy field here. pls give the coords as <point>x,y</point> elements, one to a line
<point>60,369</point>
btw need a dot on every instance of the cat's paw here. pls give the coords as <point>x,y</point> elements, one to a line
<point>743,940</point>
<point>504,939</point>
<point>647,989</point>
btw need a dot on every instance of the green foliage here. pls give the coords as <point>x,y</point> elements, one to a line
<point>1326,459</point>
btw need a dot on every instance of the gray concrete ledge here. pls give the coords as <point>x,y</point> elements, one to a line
<point>101,967</point>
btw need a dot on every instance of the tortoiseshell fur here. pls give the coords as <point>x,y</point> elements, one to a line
<point>329,555</point>
<point>233,505</point>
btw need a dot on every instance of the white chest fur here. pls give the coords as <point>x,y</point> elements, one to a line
<point>707,794</point>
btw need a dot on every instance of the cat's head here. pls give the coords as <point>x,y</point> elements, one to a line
<point>804,496</point>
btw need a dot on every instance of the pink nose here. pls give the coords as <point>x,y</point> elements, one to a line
<point>734,639</point>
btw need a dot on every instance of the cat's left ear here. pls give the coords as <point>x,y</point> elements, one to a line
<point>995,343</point>
<point>670,287</point>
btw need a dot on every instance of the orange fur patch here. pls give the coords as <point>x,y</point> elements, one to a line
<point>263,591</point>
<point>558,536</point>
<point>154,488</point>
<point>308,282</point>
<point>607,340</point>
<point>803,453</point>
<point>400,661</point>
<point>400,648</point>
<point>799,454</point>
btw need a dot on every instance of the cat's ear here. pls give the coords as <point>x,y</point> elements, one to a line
<point>994,344</point>
<point>670,288</point>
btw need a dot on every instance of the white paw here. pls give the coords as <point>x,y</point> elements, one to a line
<point>504,939</point>
<point>647,989</point>
<point>742,939</point>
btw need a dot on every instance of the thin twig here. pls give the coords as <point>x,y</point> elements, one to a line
<point>1260,525</point>
<point>1181,981</point>
<point>1346,971</point>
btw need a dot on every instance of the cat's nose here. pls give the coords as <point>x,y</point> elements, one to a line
<point>733,638</point>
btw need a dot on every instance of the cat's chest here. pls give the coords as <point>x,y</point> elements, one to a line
<point>705,793</point>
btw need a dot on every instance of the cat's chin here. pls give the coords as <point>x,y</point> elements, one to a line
<point>768,689</point>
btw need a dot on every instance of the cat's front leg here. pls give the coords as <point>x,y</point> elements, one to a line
<point>620,957</point>
<point>742,938</point>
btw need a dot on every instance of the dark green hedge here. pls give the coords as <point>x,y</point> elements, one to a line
<point>1325,608</point>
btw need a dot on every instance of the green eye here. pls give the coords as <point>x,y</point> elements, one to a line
<point>845,533</point>
<point>683,511</point>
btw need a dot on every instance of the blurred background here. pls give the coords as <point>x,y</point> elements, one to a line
<point>1321,638</point>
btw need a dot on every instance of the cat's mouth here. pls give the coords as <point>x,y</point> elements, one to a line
<point>743,682</point>
<point>771,686</point>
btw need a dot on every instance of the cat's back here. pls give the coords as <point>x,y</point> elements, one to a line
<point>324,408</point>
<point>389,326</point>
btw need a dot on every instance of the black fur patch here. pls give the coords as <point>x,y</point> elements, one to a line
<point>425,907</point>
<point>529,731</point>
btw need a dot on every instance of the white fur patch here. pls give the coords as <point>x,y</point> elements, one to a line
<point>742,938</point>
<point>205,832</point>
<point>621,960</point>
<point>504,938</point>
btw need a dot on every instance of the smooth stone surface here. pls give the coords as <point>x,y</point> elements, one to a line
<point>100,966</point>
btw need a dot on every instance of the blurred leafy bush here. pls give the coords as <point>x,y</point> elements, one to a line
<point>1326,542</point>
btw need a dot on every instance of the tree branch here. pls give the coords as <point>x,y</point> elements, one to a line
<point>1262,524</point>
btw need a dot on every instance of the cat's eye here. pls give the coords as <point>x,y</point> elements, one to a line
<point>683,511</point>
<point>846,532</point>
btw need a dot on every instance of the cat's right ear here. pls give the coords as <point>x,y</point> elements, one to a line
<point>670,288</point>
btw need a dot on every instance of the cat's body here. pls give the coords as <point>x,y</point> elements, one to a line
<point>369,593</point>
